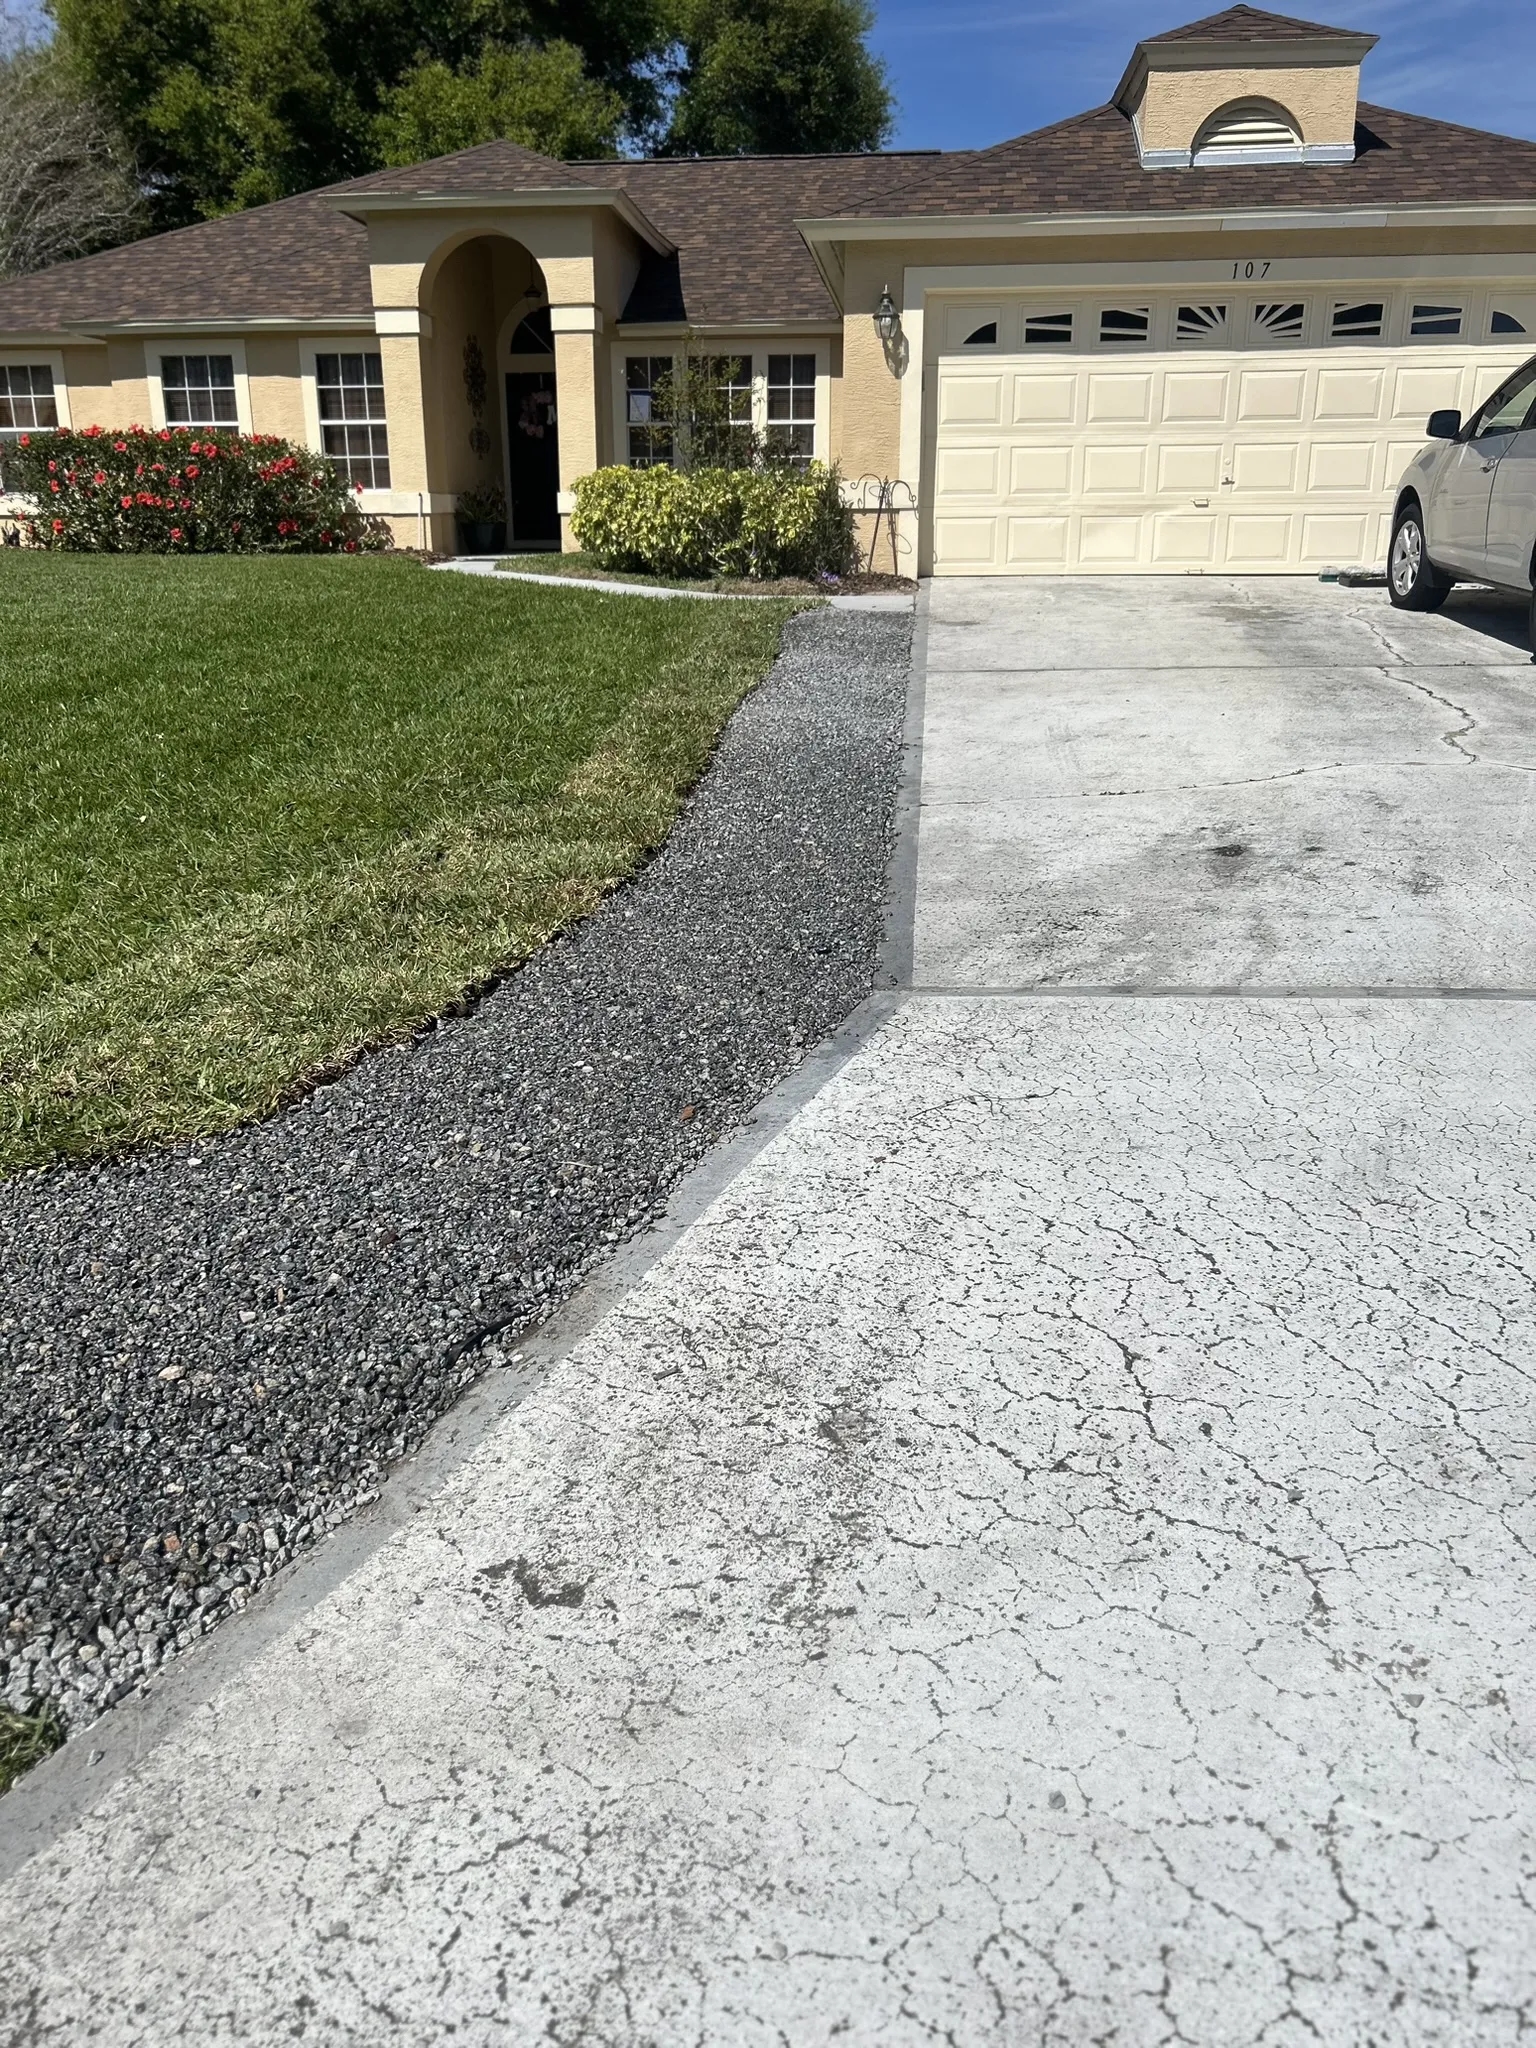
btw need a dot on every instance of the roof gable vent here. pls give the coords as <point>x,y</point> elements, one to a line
<point>1249,132</point>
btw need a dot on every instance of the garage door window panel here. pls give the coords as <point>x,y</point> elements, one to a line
<point>1048,330</point>
<point>1205,325</point>
<point>1280,321</point>
<point>1358,320</point>
<point>1125,326</point>
<point>1428,320</point>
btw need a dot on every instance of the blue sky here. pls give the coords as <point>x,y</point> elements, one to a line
<point>971,72</point>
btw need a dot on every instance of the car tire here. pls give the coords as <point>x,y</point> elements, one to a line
<point>1414,584</point>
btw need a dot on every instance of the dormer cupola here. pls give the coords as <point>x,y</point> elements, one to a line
<point>1244,87</point>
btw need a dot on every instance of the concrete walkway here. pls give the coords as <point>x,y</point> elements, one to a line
<point>1045,1555</point>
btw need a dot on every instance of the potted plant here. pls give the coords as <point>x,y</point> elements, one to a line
<point>482,517</point>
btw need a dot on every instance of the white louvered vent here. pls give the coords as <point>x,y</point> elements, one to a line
<point>1248,131</point>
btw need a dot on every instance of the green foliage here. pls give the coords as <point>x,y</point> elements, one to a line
<point>708,416</point>
<point>485,505</point>
<point>538,96</point>
<point>757,523</point>
<point>228,103</point>
<point>186,490</point>
<point>25,1739</point>
<point>256,813</point>
<point>776,77</point>
<point>232,102</point>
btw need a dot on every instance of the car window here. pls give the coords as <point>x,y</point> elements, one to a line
<point>1510,406</point>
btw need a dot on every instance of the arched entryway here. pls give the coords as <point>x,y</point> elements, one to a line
<point>492,387</point>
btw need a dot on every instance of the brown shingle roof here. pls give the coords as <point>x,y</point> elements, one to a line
<point>488,167</point>
<point>1245,25</point>
<point>741,256</point>
<point>296,259</point>
<point>1089,165</point>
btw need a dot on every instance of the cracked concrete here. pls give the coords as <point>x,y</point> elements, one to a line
<point>1226,786</point>
<point>1046,1559</point>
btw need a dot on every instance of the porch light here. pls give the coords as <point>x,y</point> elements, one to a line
<point>887,319</point>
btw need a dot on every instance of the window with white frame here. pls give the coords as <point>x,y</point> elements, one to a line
<point>727,431</point>
<point>199,391</point>
<point>349,393</point>
<point>792,407</point>
<point>27,403</point>
<point>650,434</point>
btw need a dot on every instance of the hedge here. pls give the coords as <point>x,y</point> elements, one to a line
<point>759,523</point>
<point>181,490</point>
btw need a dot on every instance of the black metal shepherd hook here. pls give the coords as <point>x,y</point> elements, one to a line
<point>885,496</point>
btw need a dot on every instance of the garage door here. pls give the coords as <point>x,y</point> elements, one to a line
<point>1254,435</point>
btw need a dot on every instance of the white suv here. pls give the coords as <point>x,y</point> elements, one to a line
<point>1466,508</point>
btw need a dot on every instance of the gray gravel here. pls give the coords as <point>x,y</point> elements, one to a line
<point>209,1356</point>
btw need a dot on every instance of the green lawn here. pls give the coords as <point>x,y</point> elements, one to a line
<point>258,813</point>
<point>25,1739</point>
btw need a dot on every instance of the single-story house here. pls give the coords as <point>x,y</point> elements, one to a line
<point>1197,328</point>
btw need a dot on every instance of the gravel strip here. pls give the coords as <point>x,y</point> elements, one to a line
<point>210,1355</point>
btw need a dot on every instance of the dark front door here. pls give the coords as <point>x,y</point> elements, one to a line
<point>534,441</point>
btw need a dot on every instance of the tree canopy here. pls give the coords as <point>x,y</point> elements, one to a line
<point>227,103</point>
<point>66,181</point>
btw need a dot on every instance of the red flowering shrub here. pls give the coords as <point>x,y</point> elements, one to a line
<point>184,490</point>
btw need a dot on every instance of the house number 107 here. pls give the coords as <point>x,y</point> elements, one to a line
<point>1250,270</point>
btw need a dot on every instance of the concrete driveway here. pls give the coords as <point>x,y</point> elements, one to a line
<point>1044,1556</point>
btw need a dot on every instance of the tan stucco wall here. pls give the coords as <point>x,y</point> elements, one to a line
<point>88,380</point>
<point>277,395</point>
<point>1321,98</point>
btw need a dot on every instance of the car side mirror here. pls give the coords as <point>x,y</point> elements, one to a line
<point>1444,425</point>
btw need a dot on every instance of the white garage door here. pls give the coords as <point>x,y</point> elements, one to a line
<point>1178,434</point>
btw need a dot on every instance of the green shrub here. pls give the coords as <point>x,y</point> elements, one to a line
<point>758,523</point>
<point>184,490</point>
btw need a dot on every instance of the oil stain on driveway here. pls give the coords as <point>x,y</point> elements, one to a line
<point>1046,1556</point>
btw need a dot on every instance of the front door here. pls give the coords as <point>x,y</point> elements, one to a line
<point>534,444</point>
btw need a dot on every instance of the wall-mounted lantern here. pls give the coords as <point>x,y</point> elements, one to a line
<point>887,319</point>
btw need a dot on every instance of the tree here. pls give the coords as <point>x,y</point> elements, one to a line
<point>66,182</point>
<point>537,95</point>
<point>776,77</point>
<point>232,102</point>
<point>227,103</point>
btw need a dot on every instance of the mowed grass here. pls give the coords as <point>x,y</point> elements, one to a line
<point>258,814</point>
<point>25,1739</point>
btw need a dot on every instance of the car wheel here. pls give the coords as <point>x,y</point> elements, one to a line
<point>1414,584</point>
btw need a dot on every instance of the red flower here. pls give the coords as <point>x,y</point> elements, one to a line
<point>100,477</point>
<point>186,504</point>
<point>54,488</point>
<point>175,533</point>
<point>192,469</point>
<point>91,433</point>
<point>128,503</point>
<point>325,540</point>
<point>26,441</point>
<point>165,434</point>
<point>58,526</point>
<point>351,547</point>
<point>120,447</point>
<point>52,465</point>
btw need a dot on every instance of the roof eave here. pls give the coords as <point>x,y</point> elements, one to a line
<point>519,199</point>
<point>1003,226</point>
